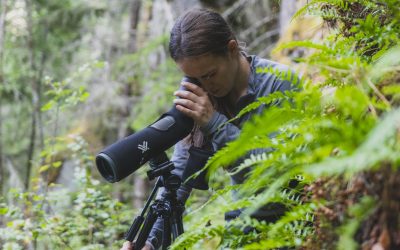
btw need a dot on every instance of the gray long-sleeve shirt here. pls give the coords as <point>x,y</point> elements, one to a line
<point>263,80</point>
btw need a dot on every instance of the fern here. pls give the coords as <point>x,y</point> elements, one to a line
<point>316,133</point>
<point>380,146</point>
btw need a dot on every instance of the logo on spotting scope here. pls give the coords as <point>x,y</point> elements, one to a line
<point>143,147</point>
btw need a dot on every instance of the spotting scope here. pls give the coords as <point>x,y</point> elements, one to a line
<point>125,156</point>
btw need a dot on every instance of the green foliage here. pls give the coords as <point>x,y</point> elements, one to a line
<point>151,85</point>
<point>49,215</point>
<point>40,39</point>
<point>65,220</point>
<point>342,126</point>
<point>52,216</point>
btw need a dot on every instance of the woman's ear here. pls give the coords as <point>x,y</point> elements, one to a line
<point>233,47</point>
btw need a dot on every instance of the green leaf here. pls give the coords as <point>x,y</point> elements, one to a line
<point>3,210</point>
<point>379,146</point>
<point>49,105</point>
<point>44,168</point>
<point>57,164</point>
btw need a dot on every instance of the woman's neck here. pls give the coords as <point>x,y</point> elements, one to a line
<point>242,80</point>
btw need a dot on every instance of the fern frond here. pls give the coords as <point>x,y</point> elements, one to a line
<point>305,44</point>
<point>251,161</point>
<point>380,145</point>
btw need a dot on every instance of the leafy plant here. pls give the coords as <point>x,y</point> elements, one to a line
<point>341,129</point>
<point>50,215</point>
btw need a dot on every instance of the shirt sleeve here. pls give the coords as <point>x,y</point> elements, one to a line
<point>220,130</point>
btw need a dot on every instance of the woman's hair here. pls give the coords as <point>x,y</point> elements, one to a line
<point>198,32</point>
<point>195,33</point>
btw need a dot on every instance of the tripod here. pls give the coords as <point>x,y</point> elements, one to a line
<point>168,207</point>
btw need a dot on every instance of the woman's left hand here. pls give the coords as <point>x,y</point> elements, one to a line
<point>195,103</point>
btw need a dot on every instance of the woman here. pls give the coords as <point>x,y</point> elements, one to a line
<point>205,48</point>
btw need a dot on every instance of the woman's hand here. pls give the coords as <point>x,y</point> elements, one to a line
<point>129,246</point>
<point>194,102</point>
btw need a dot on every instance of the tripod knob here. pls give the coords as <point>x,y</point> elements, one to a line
<point>163,169</point>
<point>172,182</point>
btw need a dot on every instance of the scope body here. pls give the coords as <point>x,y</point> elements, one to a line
<point>125,156</point>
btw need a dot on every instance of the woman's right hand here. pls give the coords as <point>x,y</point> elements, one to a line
<point>129,246</point>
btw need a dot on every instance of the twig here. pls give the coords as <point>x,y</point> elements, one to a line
<point>377,92</point>
<point>255,26</point>
<point>261,38</point>
<point>236,6</point>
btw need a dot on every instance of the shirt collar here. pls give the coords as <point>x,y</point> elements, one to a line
<point>249,97</point>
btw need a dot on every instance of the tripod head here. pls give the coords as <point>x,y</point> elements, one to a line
<point>162,167</point>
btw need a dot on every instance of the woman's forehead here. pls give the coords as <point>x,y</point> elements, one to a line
<point>198,66</point>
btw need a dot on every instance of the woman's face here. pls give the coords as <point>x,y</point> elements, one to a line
<point>217,74</point>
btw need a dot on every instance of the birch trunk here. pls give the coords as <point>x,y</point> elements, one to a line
<point>140,185</point>
<point>37,136</point>
<point>3,7</point>
<point>287,10</point>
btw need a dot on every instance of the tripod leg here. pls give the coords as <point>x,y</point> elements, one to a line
<point>148,225</point>
<point>177,225</point>
<point>166,232</point>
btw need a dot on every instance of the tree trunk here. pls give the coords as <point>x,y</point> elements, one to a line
<point>3,6</point>
<point>36,125</point>
<point>140,186</point>
<point>35,97</point>
<point>287,10</point>
<point>134,21</point>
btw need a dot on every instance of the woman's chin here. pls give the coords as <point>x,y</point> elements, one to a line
<point>218,94</point>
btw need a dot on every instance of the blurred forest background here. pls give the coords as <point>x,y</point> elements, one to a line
<point>77,75</point>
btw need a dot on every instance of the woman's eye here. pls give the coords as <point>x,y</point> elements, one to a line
<point>209,76</point>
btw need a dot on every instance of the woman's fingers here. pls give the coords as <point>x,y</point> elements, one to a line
<point>186,95</point>
<point>200,115</point>
<point>186,103</point>
<point>127,246</point>
<point>187,112</point>
<point>195,103</point>
<point>197,90</point>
